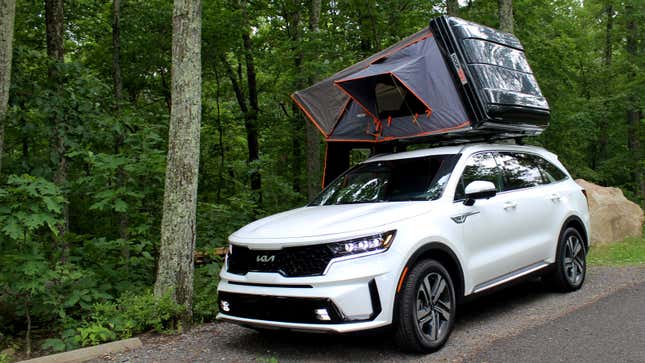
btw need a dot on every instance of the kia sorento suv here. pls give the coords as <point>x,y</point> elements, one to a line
<point>400,239</point>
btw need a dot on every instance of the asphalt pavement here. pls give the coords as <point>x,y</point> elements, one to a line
<point>610,330</point>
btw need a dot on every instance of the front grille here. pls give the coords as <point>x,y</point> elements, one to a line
<point>279,308</point>
<point>290,262</point>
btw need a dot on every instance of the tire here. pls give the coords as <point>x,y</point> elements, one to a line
<point>570,268</point>
<point>416,313</point>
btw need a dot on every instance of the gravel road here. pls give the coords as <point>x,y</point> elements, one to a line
<point>483,326</point>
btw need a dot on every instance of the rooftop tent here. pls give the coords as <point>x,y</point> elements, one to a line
<point>386,97</point>
<point>495,79</point>
<point>409,93</point>
<point>453,80</point>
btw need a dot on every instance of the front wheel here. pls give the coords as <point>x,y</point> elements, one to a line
<point>571,262</point>
<point>425,314</point>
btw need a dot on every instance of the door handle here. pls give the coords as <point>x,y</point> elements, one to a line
<point>554,197</point>
<point>510,205</point>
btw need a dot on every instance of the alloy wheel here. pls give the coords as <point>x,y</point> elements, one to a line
<point>433,311</point>
<point>574,260</point>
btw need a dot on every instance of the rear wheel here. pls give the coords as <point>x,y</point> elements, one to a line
<point>571,262</point>
<point>426,309</point>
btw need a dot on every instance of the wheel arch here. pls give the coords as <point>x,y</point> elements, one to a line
<point>575,222</point>
<point>442,253</point>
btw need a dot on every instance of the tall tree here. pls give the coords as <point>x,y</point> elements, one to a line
<point>311,133</point>
<point>116,52</point>
<point>54,23</point>
<point>250,107</point>
<point>251,116</point>
<point>634,111</point>
<point>506,15</point>
<point>7,16</point>
<point>120,134</point>
<point>603,132</point>
<point>175,272</point>
<point>452,7</point>
<point>292,14</point>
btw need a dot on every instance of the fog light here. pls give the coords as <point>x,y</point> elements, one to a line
<point>225,306</point>
<point>322,314</point>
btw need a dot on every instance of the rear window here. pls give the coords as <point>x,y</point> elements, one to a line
<point>520,170</point>
<point>551,172</point>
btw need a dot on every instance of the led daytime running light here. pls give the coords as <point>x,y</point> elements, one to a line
<point>378,242</point>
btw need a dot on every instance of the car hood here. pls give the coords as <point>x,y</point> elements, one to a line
<point>330,220</point>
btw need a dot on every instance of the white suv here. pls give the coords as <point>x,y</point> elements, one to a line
<point>402,238</point>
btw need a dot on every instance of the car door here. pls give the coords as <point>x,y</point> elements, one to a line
<point>488,224</point>
<point>558,195</point>
<point>531,216</point>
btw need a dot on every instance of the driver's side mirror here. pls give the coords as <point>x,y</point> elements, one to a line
<point>479,189</point>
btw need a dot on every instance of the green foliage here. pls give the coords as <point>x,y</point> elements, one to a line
<point>130,314</point>
<point>205,299</point>
<point>631,251</point>
<point>107,321</point>
<point>27,205</point>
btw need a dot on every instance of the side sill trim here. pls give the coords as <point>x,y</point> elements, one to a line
<point>510,276</point>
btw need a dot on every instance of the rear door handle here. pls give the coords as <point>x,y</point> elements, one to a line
<point>554,197</point>
<point>510,205</point>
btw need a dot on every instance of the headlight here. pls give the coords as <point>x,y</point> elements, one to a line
<point>377,242</point>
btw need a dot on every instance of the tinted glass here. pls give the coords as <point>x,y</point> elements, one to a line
<point>482,167</point>
<point>520,171</point>
<point>390,181</point>
<point>551,172</point>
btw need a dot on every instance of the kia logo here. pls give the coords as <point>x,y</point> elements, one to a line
<point>265,258</point>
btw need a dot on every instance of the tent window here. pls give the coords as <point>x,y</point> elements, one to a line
<point>395,100</point>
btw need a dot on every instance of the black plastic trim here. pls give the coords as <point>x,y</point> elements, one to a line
<point>293,309</point>
<point>270,285</point>
<point>375,299</point>
<point>443,248</point>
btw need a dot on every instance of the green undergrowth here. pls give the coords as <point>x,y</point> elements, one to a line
<point>631,251</point>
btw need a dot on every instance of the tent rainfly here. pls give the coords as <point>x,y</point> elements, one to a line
<point>452,80</point>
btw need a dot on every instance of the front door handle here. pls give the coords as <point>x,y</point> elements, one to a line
<point>510,205</point>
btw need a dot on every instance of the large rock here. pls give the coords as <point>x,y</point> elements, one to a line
<point>613,217</point>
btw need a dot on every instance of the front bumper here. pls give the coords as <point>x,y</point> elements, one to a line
<point>355,295</point>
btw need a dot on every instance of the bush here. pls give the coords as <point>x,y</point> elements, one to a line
<point>205,299</point>
<point>130,314</point>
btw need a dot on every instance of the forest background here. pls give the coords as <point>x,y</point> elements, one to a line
<point>84,138</point>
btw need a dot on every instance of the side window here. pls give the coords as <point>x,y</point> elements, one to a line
<point>480,166</point>
<point>520,171</point>
<point>551,172</point>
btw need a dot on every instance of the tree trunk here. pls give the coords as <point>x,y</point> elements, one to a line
<point>251,116</point>
<point>116,52</point>
<point>291,12</point>
<point>603,133</point>
<point>250,120</point>
<point>311,132</point>
<point>7,16</point>
<point>176,261</point>
<point>124,223</point>
<point>452,7</point>
<point>634,112</point>
<point>55,51</point>
<point>506,15</point>
<point>28,332</point>
<point>220,136</point>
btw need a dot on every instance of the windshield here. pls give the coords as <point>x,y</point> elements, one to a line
<point>400,180</point>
